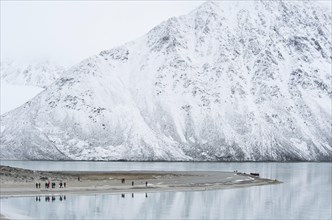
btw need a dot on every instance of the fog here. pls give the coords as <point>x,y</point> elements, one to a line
<point>67,32</point>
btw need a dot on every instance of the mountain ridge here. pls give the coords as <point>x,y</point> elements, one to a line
<point>210,85</point>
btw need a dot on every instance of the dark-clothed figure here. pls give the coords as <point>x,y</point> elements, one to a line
<point>39,185</point>
<point>132,183</point>
<point>64,184</point>
<point>146,184</point>
<point>36,185</point>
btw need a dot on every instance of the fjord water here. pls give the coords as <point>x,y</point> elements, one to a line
<point>304,194</point>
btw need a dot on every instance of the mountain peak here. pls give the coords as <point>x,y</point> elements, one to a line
<point>230,81</point>
<point>207,7</point>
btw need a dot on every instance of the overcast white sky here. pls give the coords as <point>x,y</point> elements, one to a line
<point>67,32</point>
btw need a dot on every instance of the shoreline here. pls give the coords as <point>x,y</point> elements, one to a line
<point>17,182</point>
<point>107,190</point>
<point>21,182</point>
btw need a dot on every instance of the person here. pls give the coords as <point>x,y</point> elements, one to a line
<point>132,183</point>
<point>64,184</point>
<point>60,198</point>
<point>146,184</point>
<point>60,184</point>
<point>36,185</point>
<point>78,178</point>
<point>39,185</point>
<point>146,195</point>
<point>132,195</point>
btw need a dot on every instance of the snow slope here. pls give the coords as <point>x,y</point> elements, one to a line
<point>246,80</point>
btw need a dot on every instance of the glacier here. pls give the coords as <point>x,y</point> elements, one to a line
<point>230,81</point>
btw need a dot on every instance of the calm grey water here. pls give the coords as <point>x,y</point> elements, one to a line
<point>305,194</point>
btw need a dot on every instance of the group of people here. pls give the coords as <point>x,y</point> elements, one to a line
<point>123,181</point>
<point>52,185</point>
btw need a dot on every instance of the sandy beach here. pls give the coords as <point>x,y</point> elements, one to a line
<point>22,182</point>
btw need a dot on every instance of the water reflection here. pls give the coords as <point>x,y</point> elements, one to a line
<point>123,195</point>
<point>305,194</point>
<point>51,198</point>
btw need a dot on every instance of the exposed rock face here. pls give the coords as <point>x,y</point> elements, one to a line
<point>229,81</point>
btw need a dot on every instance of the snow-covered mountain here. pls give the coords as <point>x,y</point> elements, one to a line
<point>40,74</point>
<point>229,81</point>
<point>20,82</point>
